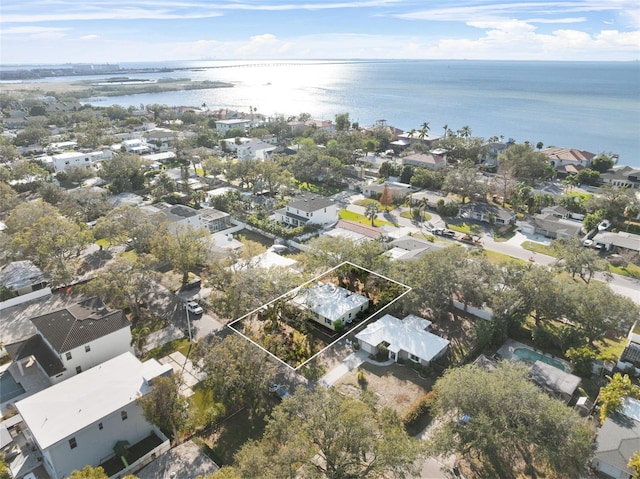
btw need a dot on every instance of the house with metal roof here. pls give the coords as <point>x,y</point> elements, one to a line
<point>21,281</point>
<point>94,419</point>
<point>74,339</point>
<point>331,305</point>
<point>404,339</point>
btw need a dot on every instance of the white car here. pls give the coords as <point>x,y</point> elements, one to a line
<point>194,307</point>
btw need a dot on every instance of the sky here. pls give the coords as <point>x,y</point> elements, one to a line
<point>95,31</point>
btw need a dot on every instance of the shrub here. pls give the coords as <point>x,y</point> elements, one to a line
<point>418,410</point>
<point>362,379</point>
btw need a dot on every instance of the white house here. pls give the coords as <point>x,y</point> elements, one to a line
<point>181,216</point>
<point>73,339</point>
<point>254,150</point>
<point>63,161</point>
<point>312,209</point>
<point>223,126</point>
<point>404,339</point>
<point>332,305</point>
<point>91,418</point>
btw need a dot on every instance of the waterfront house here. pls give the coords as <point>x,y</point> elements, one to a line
<point>404,339</point>
<point>568,161</point>
<point>94,419</point>
<point>622,176</point>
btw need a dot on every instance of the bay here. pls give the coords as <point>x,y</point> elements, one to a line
<point>593,106</point>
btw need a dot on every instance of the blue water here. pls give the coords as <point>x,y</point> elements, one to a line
<point>593,106</point>
<point>9,388</point>
<point>532,356</point>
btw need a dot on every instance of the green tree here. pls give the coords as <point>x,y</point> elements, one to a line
<point>127,222</point>
<point>342,122</point>
<point>39,233</point>
<point>84,204</point>
<point>125,172</point>
<point>576,259</point>
<point>602,163</point>
<point>528,165</point>
<point>8,198</point>
<point>464,181</point>
<point>612,200</point>
<point>634,464</point>
<point>500,421</point>
<point>325,434</point>
<point>88,472</point>
<point>371,212</point>
<point>124,283</point>
<point>182,248</point>
<point>164,406</point>
<point>4,468</point>
<point>582,359</point>
<point>237,373</point>
<point>611,395</point>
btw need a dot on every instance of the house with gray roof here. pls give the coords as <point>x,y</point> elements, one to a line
<point>617,440</point>
<point>21,281</point>
<point>308,209</point>
<point>73,339</point>
<point>620,241</point>
<point>551,226</point>
<point>622,176</point>
<point>182,216</point>
<point>487,213</point>
<point>409,248</point>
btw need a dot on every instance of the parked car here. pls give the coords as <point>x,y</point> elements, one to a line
<point>279,390</point>
<point>193,307</point>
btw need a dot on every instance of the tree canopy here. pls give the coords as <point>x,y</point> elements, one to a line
<point>324,434</point>
<point>502,423</point>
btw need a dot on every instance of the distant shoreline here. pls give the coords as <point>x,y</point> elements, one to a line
<point>106,88</point>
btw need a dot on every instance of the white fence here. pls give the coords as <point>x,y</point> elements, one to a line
<point>482,313</point>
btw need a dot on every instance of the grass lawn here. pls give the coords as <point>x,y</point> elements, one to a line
<point>226,438</point>
<point>246,237</point>
<point>103,242</point>
<point>464,227</point>
<point>503,233</point>
<point>631,270</point>
<point>407,214</point>
<point>499,258</point>
<point>367,201</point>
<point>358,218</point>
<point>537,248</point>
<point>181,345</point>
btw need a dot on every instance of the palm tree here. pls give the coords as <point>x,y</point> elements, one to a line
<point>465,132</point>
<point>139,338</point>
<point>411,133</point>
<point>446,130</point>
<point>424,129</point>
<point>371,212</point>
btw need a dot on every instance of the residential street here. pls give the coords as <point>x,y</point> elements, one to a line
<point>621,285</point>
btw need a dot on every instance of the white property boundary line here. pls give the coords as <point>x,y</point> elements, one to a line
<point>295,290</point>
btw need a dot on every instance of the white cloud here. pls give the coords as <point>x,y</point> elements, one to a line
<point>92,36</point>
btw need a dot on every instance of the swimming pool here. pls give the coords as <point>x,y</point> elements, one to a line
<point>532,356</point>
<point>9,388</point>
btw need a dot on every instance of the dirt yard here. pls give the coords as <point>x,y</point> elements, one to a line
<point>397,386</point>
